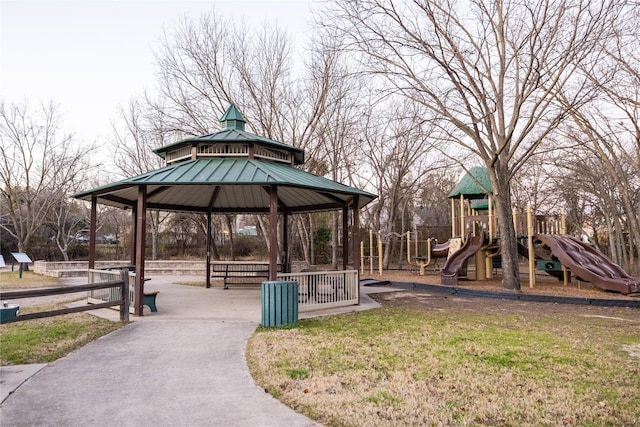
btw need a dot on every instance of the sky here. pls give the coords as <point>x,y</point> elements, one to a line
<point>90,57</point>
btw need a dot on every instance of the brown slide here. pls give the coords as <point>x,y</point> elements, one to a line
<point>449,274</point>
<point>440,250</point>
<point>589,265</point>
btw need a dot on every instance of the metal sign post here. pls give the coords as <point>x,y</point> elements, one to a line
<point>20,258</point>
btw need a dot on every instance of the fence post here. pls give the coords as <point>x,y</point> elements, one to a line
<point>124,308</point>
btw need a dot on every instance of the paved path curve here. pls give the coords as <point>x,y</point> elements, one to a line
<point>176,367</point>
<point>177,373</point>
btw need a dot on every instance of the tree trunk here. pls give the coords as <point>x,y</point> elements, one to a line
<point>508,240</point>
<point>304,238</point>
<point>312,252</point>
<point>386,252</point>
<point>155,233</point>
<point>402,227</point>
<point>264,229</point>
<point>232,248</point>
<point>334,241</point>
<point>612,243</point>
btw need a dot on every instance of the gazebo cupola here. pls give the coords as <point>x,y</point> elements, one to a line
<point>231,141</point>
<point>232,119</point>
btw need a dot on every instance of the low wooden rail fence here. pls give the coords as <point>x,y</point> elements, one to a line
<point>123,301</point>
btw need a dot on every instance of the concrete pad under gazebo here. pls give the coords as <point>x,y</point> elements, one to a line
<point>230,171</point>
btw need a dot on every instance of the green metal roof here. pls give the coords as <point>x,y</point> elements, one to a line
<point>232,123</point>
<point>234,184</point>
<point>481,204</point>
<point>234,135</point>
<point>474,185</point>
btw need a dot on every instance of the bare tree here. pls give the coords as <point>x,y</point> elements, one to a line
<point>397,142</point>
<point>606,132</point>
<point>134,136</point>
<point>66,218</point>
<point>608,164</point>
<point>492,70</point>
<point>335,148</point>
<point>138,131</point>
<point>39,168</point>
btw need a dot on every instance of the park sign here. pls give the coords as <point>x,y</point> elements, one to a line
<point>20,258</point>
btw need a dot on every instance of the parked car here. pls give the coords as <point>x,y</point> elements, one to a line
<point>100,238</point>
<point>110,239</point>
<point>82,238</point>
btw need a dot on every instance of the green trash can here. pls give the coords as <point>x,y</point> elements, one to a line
<point>9,312</point>
<point>279,303</point>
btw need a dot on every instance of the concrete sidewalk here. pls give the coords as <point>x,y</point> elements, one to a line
<point>179,367</point>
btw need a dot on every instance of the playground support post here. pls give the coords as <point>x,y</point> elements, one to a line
<point>370,251</point>
<point>563,230</point>
<point>453,217</point>
<point>415,243</point>
<point>380,252</point>
<point>532,271</point>
<point>462,218</point>
<point>409,246</point>
<point>362,257</point>
<point>423,264</point>
<point>481,265</point>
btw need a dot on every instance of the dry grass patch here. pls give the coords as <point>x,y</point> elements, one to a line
<point>412,366</point>
<point>12,280</point>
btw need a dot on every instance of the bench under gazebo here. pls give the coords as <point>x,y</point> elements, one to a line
<point>230,171</point>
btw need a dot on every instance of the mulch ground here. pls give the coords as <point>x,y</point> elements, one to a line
<point>544,286</point>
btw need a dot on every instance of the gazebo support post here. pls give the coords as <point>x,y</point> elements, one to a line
<point>208,279</point>
<point>92,232</point>
<point>212,201</point>
<point>273,234</point>
<point>134,233</point>
<point>345,239</point>
<point>355,237</point>
<point>141,226</point>
<point>285,243</point>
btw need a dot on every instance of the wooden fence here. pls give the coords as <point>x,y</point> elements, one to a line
<point>123,299</point>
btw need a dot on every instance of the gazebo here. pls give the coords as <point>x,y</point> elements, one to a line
<point>230,171</point>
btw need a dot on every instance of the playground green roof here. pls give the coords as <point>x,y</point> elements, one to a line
<point>474,185</point>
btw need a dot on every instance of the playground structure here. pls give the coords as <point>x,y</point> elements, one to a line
<point>542,239</point>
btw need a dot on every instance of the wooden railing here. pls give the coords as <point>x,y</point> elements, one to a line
<point>324,289</point>
<point>122,285</point>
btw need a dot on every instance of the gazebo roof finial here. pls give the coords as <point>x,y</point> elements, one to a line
<point>232,119</point>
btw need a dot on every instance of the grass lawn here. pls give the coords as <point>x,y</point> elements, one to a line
<point>48,339</point>
<point>11,280</point>
<point>437,363</point>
